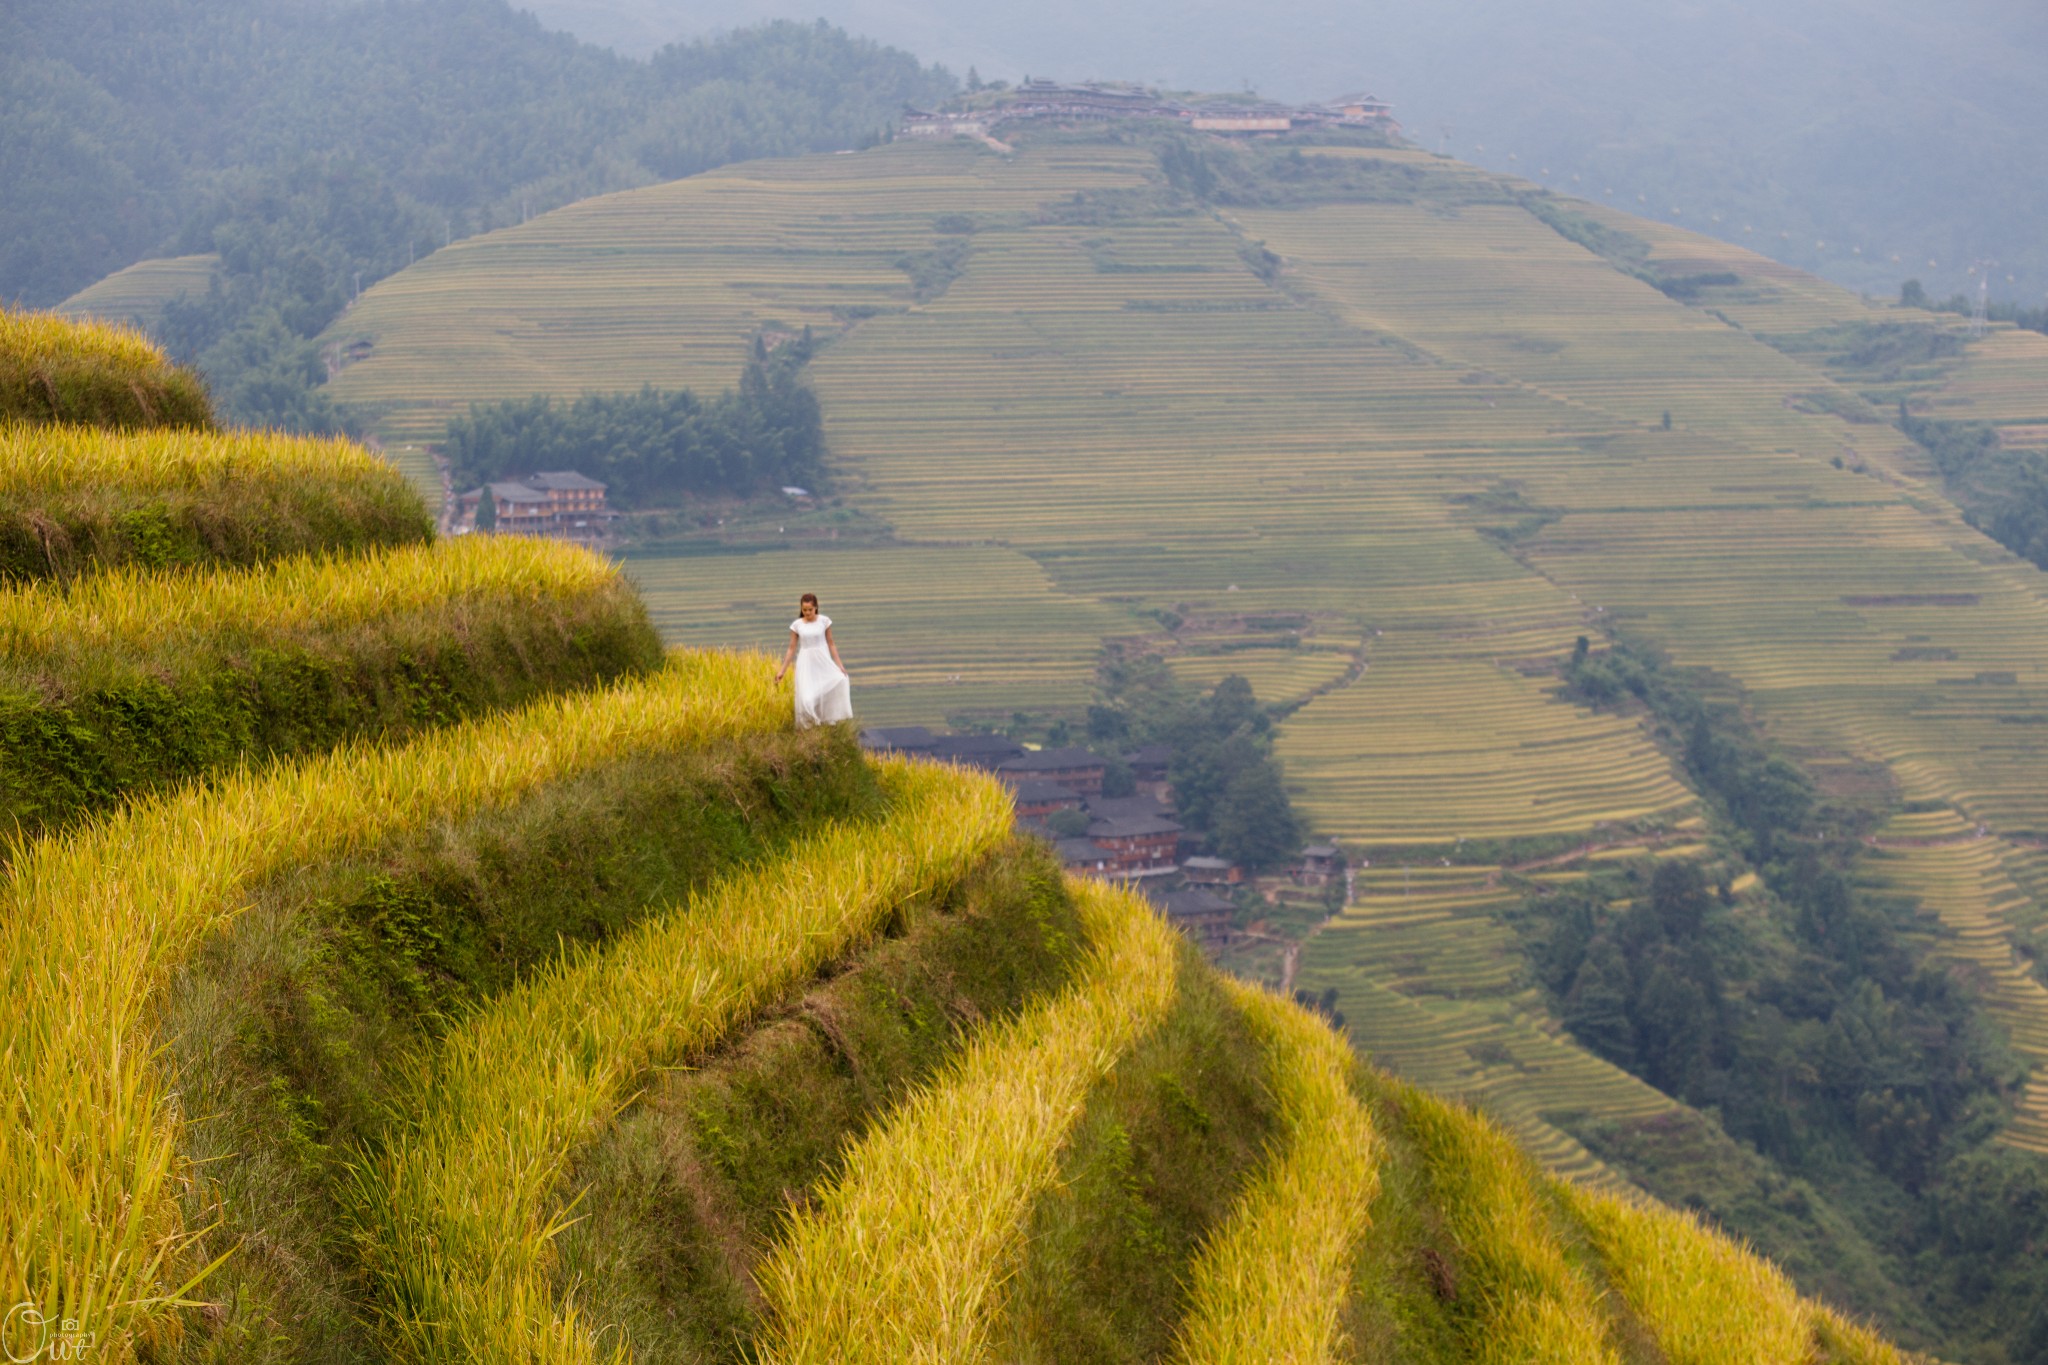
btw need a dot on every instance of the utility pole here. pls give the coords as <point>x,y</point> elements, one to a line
<point>1980,317</point>
<point>1443,146</point>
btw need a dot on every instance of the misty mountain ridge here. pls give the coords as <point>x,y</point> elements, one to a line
<point>1833,136</point>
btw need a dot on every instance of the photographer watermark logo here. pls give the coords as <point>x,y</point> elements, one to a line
<point>26,1335</point>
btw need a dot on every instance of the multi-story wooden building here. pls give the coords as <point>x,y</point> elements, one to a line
<point>563,504</point>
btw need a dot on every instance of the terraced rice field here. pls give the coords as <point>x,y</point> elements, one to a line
<point>143,290</point>
<point>1431,985</point>
<point>1277,676</point>
<point>1109,414</point>
<point>979,630</point>
<point>2000,380</point>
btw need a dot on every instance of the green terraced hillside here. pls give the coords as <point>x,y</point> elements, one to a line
<point>602,1015</point>
<point>142,291</point>
<point>1439,421</point>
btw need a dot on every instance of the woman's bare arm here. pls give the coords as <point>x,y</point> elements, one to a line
<point>829,644</point>
<point>788,657</point>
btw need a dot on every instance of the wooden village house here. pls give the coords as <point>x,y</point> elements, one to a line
<point>562,505</point>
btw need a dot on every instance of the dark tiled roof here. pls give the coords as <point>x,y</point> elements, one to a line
<point>1032,792</point>
<point>1076,852</point>
<point>975,745</point>
<point>1053,760</point>
<point>1130,826</point>
<point>1150,756</point>
<point>897,737</point>
<point>1124,807</point>
<point>564,480</point>
<point>513,492</point>
<point>1194,901</point>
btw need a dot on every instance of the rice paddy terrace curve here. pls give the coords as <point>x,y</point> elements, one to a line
<point>388,908</point>
<point>1438,433</point>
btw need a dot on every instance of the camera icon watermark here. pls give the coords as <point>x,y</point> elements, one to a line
<point>27,1335</point>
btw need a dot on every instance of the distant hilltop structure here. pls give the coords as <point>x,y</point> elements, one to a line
<point>1104,101</point>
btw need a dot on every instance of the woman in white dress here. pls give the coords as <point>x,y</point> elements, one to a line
<point>823,693</point>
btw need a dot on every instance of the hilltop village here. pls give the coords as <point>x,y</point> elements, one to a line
<point>981,113</point>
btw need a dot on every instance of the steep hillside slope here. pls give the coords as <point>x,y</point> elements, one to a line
<point>1386,434</point>
<point>631,1022</point>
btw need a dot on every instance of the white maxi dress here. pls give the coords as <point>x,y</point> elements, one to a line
<point>824,694</point>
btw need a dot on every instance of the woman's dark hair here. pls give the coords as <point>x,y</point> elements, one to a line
<point>809,597</point>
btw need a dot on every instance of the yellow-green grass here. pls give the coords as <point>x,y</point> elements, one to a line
<point>141,292</point>
<point>1534,1303</point>
<point>460,1208</point>
<point>903,1256</point>
<point>1705,1300</point>
<point>1269,1288</point>
<point>925,632</point>
<point>128,619</point>
<point>132,679</point>
<point>96,919</point>
<point>53,369</point>
<point>77,498</point>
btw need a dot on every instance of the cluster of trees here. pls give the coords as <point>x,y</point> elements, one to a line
<point>2004,493</point>
<point>1818,1032</point>
<point>1914,295</point>
<point>317,147</point>
<point>656,446</point>
<point>1226,781</point>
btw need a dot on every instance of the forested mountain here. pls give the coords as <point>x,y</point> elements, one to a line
<point>1806,129</point>
<point>319,146</point>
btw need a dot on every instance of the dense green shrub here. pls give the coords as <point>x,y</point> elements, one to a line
<point>656,446</point>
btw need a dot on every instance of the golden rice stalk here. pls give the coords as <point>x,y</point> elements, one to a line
<point>1706,1300</point>
<point>35,338</point>
<point>47,459</point>
<point>1269,1288</point>
<point>55,370</point>
<point>48,631</point>
<point>1538,1306</point>
<point>459,1213</point>
<point>92,922</point>
<point>903,1257</point>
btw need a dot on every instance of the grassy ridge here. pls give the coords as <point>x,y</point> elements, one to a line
<point>1705,1300</point>
<point>1165,1145</point>
<point>55,370</point>
<point>1271,1286</point>
<point>1527,1299</point>
<point>904,1255</point>
<point>459,1208</point>
<point>77,500</point>
<point>93,923</point>
<point>289,1029</point>
<point>684,1193</point>
<point>132,678</point>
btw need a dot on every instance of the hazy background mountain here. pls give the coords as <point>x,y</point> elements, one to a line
<point>315,146</point>
<point>1833,134</point>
